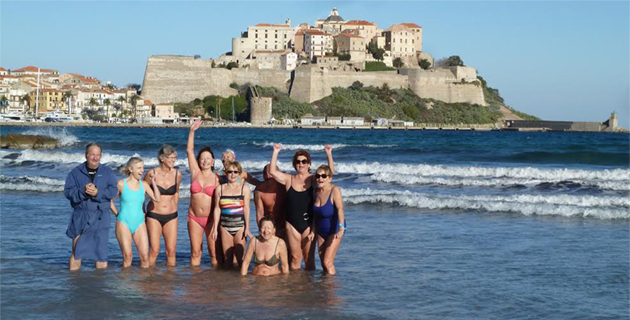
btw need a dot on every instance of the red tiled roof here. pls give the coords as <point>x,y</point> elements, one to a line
<point>2,69</point>
<point>316,33</point>
<point>360,23</point>
<point>411,25</point>
<point>33,69</point>
<point>299,32</point>
<point>397,27</point>
<point>350,35</point>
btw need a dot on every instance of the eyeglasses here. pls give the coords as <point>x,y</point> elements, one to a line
<point>231,172</point>
<point>305,161</point>
<point>323,176</point>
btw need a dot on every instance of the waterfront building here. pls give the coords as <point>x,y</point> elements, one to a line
<point>3,71</point>
<point>353,121</point>
<point>32,71</point>
<point>312,120</point>
<point>49,100</point>
<point>166,112</point>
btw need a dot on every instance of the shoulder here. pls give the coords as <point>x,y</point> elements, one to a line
<point>121,183</point>
<point>336,190</point>
<point>105,169</point>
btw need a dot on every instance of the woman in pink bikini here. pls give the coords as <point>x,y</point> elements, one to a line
<point>202,186</point>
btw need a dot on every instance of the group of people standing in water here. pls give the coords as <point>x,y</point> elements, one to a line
<point>294,212</point>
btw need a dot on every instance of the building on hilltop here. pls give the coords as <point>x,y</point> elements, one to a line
<point>333,24</point>
<point>3,71</point>
<point>351,44</point>
<point>317,43</point>
<point>401,40</point>
<point>263,36</point>
<point>32,70</point>
<point>367,30</point>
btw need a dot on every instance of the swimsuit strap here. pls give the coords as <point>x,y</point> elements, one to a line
<point>242,186</point>
<point>276,250</point>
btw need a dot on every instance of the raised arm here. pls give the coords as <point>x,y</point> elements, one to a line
<point>247,259</point>
<point>278,175</point>
<point>190,148</point>
<point>331,164</point>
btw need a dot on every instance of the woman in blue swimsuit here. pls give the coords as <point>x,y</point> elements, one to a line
<point>329,219</point>
<point>130,223</point>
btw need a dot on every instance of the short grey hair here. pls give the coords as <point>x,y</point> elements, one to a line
<point>92,144</point>
<point>165,151</point>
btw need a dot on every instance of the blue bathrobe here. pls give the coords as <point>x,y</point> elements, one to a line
<point>90,218</point>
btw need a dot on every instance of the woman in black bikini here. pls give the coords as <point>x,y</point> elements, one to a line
<point>268,251</point>
<point>299,204</point>
<point>162,217</point>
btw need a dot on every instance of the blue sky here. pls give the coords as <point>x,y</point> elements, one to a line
<point>559,60</point>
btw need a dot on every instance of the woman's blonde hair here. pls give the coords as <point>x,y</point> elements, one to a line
<point>238,166</point>
<point>326,169</point>
<point>126,169</point>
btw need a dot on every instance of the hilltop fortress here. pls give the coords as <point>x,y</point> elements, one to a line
<point>306,62</point>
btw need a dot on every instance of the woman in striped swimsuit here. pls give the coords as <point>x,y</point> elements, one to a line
<point>232,200</point>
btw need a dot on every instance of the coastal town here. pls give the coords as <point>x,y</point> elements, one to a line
<point>304,61</point>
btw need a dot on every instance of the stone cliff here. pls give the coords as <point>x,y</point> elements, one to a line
<point>169,79</point>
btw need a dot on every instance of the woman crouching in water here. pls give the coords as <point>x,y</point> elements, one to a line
<point>232,200</point>
<point>268,251</point>
<point>329,222</point>
<point>162,217</point>
<point>130,223</point>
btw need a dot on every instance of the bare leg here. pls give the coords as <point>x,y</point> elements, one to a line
<point>170,241</point>
<point>227,243</point>
<point>216,255</point>
<point>308,250</point>
<point>155,232</point>
<point>124,240</point>
<point>195,231</point>
<point>101,264</point>
<point>294,247</point>
<point>141,239</point>
<point>331,245</point>
<point>74,264</point>
<point>239,246</point>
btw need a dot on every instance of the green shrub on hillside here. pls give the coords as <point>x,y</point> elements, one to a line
<point>376,66</point>
<point>284,107</point>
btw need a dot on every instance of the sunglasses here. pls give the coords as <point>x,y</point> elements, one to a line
<point>302,161</point>
<point>231,172</point>
<point>323,176</point>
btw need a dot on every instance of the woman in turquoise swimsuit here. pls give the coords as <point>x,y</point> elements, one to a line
<point>130,220</point>
<point>268,251</point>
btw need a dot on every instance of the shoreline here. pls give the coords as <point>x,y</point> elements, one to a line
<point>423,127</point>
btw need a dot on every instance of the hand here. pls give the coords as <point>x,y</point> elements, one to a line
<point>213,234</point>
<point>90,189</point>
<point>196,125</point>
<point>247,233</point>
<point>152,176</point>
<point>277,147</point>
<point>328,149</point>
<point>311,236</point>
<point>340,233</point>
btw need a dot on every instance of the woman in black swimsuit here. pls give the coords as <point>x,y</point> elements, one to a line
<point>162,217</point>
<point>268,251</point>
<point>299,202</point>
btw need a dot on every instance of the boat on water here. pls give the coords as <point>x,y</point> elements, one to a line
<point>62,117</point>
<point>12,117</point>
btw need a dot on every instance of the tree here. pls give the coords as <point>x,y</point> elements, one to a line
<point>66,97</point>
<point>231,65</point>
<point>398,63</point>
<point>107,103</point>
<point>452,61</point>
<point>4,102</point>
<point>93,102</point>
<point>134,102</point>
<point>135,86</point>
<point>357,85</point>
<point>377,53</point>
<point>424,64</point>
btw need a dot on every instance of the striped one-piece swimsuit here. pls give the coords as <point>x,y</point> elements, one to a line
<point>232,212</point>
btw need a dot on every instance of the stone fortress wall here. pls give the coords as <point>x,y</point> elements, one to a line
<point>170,79</point>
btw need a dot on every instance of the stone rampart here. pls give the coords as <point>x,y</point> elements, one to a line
<point>170,79</point>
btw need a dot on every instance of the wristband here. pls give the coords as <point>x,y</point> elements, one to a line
<point>342,224</point>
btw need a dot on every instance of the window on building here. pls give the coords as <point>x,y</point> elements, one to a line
<point>265,35</point>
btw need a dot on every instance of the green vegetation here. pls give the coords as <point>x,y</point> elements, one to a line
<point>285,107</point>
<point>376,52</point>
<point>376,66</point>
<point>403,104</point>
<point>398,63</point>
<point>424,64</point>
<point>213,104</point>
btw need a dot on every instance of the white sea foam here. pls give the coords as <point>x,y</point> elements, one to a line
<point>565,205</point>
<point>79,157</point>
<point>25,183</point>
<point>320,147</point>
<point>64,138</point>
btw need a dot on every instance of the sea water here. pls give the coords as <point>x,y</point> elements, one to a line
<point>456,225</point>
